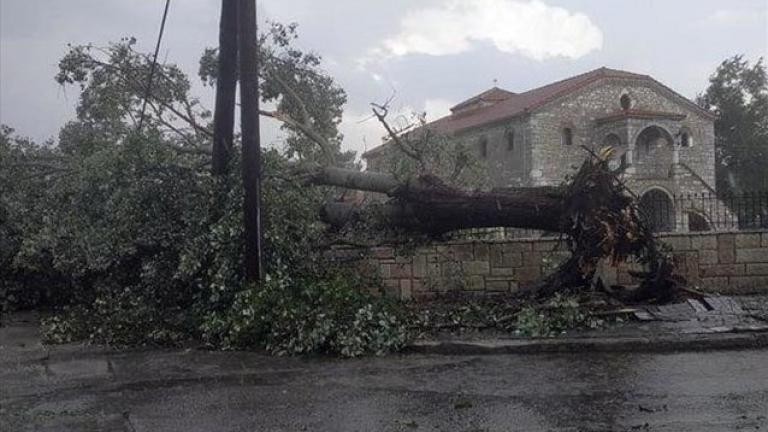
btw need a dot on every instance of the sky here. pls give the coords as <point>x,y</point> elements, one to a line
<point>431,54</point>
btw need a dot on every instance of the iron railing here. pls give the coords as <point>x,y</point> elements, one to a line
<point>672,213</point>
<point>705,211</point>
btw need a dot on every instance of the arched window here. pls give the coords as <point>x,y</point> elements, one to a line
<point>625,102</point>
<point>685,138</point>
<point>483,144</point>
<point>697,222</point>
<point>658,211</point>
<point>567,137</point>
<point>510,139</point>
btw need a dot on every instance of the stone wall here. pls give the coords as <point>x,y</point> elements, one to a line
<point>726,263</point>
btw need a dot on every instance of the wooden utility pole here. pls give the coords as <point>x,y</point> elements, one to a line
<point>226,88</point>
<point>249,125</point>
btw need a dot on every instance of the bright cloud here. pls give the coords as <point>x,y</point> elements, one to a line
<point>436,108</point>
<point>529,28</point>
<point>363,132</point>
<point>735,17</point>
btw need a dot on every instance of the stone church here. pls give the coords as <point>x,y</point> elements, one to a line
<point>535,138</point>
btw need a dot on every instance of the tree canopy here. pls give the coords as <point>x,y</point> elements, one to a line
<point>738,94</point>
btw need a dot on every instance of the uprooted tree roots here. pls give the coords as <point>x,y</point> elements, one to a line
<point>597,216</point>
<point>600,220</point>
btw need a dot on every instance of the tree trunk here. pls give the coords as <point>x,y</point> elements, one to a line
<point>226,89</point>
<point>428,205</point>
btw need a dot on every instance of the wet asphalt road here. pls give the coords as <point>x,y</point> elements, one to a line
<point>76,389</point>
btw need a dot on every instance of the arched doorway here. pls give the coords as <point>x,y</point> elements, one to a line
<point>697,222</point>
<point>658,210</point>
<point>654,148</point>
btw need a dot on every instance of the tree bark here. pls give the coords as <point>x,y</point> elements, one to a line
<point>249,113</point>
<point>428,205</point>
<point>226,89</point>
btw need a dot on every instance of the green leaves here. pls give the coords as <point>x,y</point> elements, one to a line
<point>738,94</point>
<point>314,314</point>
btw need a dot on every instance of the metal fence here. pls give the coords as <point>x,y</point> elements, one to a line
<point>705,211</point>
<point>671,213</point>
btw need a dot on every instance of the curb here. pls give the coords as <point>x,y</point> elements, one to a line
<point>670,343</point>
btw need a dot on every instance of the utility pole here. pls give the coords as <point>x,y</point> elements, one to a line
<point>249,125</point>
<point>226,88</point>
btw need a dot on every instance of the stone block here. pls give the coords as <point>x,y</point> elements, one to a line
<point>532,259</point>
<point>495,255</point>
<point>406,287</point>
<point>514,286</point>
<point>475,283</point>
<point>417,286</point>
<point>433,269</point>
<point>401,271</point>
<point>446,252</point>
<point>512,259</point>
<point>528,274</point>
<point>754,255</point>
<point>518,246</point>
<point>757,269</point>
<point>764,242</point>
<point>714,284</point>
<point>382,252</point>
<point>476,268</point>
<point>419,266</point>
<point>707,257</point>
<point>392,288</point>
<point>403,259</point>
<point>678,242</point>
<point>747,240</point>
<point>385,271</point>
<point>502,271</point>
<point>747,285</point>
<point>703,242</point>
<point>726,248</point>
<point>497,285</point>
<point>463,251</point>
<point>544,245</point>
<point>715,270</point>
<point>481,252</point>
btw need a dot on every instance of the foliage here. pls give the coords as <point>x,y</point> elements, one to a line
<point>293,82</point>
<point>738,94</point>
<point>309,315</point>
<point>559,314</point>
<point>461,313</point>
<point>501,314</point>
<point>423,150</point>
<point>119,224</point>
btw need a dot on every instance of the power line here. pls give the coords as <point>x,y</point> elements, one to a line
<point>153,66</point>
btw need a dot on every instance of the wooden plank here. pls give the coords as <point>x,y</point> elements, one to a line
<point>697,306</point>
<point>724,305</point>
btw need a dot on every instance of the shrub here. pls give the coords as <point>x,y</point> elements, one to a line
<point>560,314</point>
<point>309,315</point>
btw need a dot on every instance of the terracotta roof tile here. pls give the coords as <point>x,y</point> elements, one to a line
<point>492,96</point>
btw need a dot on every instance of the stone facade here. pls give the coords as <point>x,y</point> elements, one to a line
<point>727,263</point>
<point>665,140</point>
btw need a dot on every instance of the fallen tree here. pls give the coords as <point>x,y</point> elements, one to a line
<point>596,215</point>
